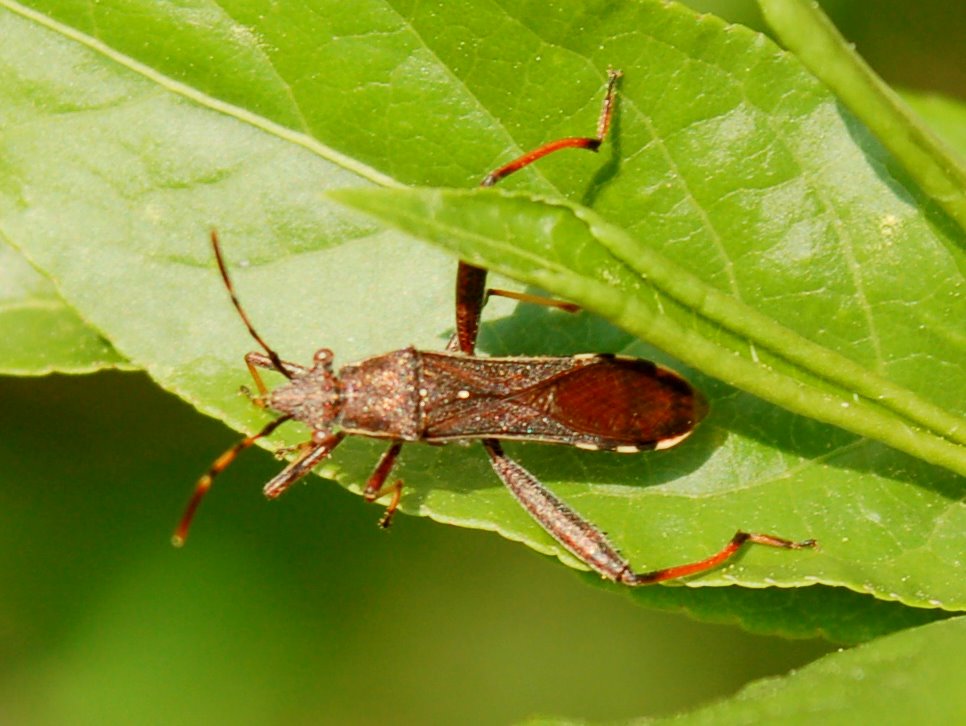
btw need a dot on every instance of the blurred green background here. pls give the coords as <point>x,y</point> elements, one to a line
<point>302,610</point>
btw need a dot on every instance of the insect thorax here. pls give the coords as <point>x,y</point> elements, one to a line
<point>381,396</point>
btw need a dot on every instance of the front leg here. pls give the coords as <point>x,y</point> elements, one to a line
<point>376,485</point>
<point>318,450</point>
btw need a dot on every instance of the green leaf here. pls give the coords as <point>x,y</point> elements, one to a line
<point>124,152</point>
<point>581,257</point>
<point>804,29</point>
<point>946,116</point>
<point>880,682</point>
<point>44,334</point>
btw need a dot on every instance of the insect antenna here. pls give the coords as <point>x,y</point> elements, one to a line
<point>219,465</point>
<point>272,355</point>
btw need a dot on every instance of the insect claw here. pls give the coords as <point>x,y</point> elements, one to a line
<point>386,519</point>
<point>258,400</point>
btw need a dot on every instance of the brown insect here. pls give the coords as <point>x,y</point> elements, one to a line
<point>590,401</point>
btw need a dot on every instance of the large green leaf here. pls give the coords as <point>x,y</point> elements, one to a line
<point>120,152</point>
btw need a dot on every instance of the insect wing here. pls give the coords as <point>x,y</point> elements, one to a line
<point>620,402</point>
<point>593,401</point>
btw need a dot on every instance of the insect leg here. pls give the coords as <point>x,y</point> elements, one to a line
<point>470,296</point>
<point>376,485</point>
<point>220,464</point>
<point>471,292</point>
<point>567,307</point>
<point>586,542</point>
<point>629,577</point>
<point>581,538</point>
<point>302,466</point>
<point>591,143</point>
